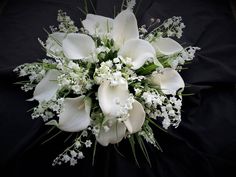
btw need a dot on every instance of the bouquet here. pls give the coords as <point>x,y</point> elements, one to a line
<point>109,80</point>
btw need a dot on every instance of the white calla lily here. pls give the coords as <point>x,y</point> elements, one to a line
<point>75,115</point>
<point>54,43</point>
<point>136,118</point>
<point>97,25</point>
<point>125,27</point>
<point>138,51</point>
<point>166,46</point>
<point>47,87</point>
<point>78,46</point>
<point>169,80</point>
<point>111,97</point>
<point>115,133</point>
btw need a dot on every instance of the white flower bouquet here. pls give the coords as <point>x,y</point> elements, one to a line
<point>109,80</point>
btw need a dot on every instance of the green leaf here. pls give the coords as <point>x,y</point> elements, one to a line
<point>143,148</point>
<point>155,124</point>
<point>94,152</point>
<point>132,144</point>
<point>117,150</point>
<point>147,69</point>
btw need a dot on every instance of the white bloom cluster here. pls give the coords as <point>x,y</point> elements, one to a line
<point>106,72</point>
<point>66,24</point>
<point>74,77</point>
<point>174,27</point>
<point>73,153</point>
<point>123,112</point>
<point>48,109</point>
<point>35,72</point>
<point>184,56</point>
<point>160,106</point>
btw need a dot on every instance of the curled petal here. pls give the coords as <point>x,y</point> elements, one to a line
<point>47,87</point>
<point>54,43</point>
<point>110,97</point>
<point>97,25</point>
<point>167,46</point>
<point>136,118</point>
<point>138,50</point>
<point>113,135</point>
<point>125,27</point>
<point>75,115</point>
<point>78,46</point>
<point>169,80</point>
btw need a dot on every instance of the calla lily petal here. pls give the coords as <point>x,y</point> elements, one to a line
<point>54,43</point>
<point>138,50</point>
<point>109,96</point>
<point>125,27</point>
<point>114,135</point>
<point>96,24</point>
<point>47,87</point>
<point>136,118</point>
<point>167,46</point>
<point>78,46</point>
<point>169,81</point>
<point>75,115</point>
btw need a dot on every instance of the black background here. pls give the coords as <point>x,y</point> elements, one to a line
<point>203,145</point>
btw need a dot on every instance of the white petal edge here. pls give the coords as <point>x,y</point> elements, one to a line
<point>136,118</point>
<point>125,27</point>
<point>169,81</point>
<point>138,50</point>
<point>75,115</point>
<point>114,135</point>
<point>47,87</point>
<point>167,46</point>
<point>78,46</point>
<point>54,43</point>
<point>108,96</point>
<point>96,24</point>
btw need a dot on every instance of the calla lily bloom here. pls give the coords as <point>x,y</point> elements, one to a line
<point>111,98</point>
<point>138,51</point>
<point>78,46</point>
<point>125,27</point>
<point>169,80</point>
<point>47,87</point>
<point>115,134</point>
<point>97,25</point>
<point>166,46</point>
<point>75,114</point>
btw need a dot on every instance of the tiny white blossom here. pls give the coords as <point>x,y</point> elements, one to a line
<point>88,143</point>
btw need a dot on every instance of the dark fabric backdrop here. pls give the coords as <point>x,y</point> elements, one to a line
<point>203,145</point>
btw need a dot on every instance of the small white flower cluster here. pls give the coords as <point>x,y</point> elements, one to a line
<point>184,56</point>
<point>106,72</point>
<point>48,109</point>
<point>73,153</point>
<point>172,112</point>
<point>115,71</point>
<point>66,24</point>
<point>174,27</point>
<point>74,77</point>
<point>35,72</point>
<point>160,106</point>
<point>123,112</point>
